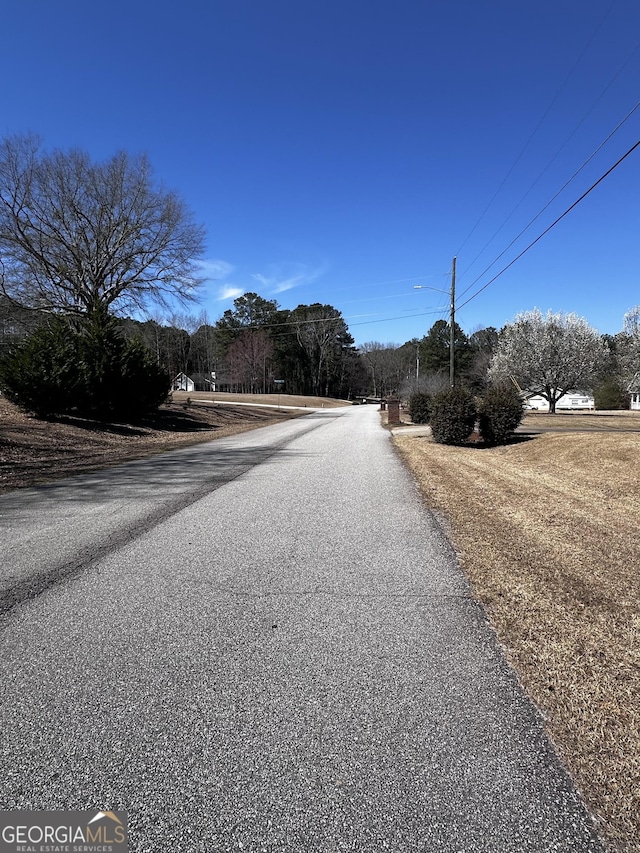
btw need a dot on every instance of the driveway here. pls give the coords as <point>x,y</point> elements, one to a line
<point>265,643</point>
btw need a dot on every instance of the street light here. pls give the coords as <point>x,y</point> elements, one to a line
<point>453,316</point>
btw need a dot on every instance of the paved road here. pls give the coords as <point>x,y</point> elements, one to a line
<point>264,644</point>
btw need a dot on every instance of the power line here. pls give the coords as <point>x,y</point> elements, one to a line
<point>390,319</point>
<point>537,127</point>
<point>553,159</point>
<point>395,281</point>
<point>551,200</point>
<point>553,224</point>
<point>294,323</point>
<point>372,298</point>
<point>439,311</point>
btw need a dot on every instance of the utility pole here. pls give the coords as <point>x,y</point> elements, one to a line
<point>452,321</point>
<point>452,325</point>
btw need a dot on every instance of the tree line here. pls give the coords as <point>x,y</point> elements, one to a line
<point>544,354</point>
<point>257,347</point>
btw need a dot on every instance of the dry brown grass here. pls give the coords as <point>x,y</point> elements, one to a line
<point>581,421</point>
<point>547,530</point>
<point>261,399</point>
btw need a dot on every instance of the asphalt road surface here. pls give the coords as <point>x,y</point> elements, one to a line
<point>264,643</point>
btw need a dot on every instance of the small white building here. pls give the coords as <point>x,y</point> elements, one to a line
<point>182,382</point>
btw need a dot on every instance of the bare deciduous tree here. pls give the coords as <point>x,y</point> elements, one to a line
<point>386,364</point>
<point>203,346</point>
<point>248,358</point>
<point>324,337</point>
<point>78,236</point>
<point>548,354</point>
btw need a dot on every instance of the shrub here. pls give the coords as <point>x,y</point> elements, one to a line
<point>144,384</point>
<point>453,416</point>
<point>611,394</point>
<point>420,407</point>
<point>83,367</point>
<point>120,378</point>
<point>40,372</point>
<point>500,411</point>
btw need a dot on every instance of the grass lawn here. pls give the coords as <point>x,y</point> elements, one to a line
<point>548,531</point>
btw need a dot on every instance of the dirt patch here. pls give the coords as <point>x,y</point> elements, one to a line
<point>34,451</point>
<point>547,531</point>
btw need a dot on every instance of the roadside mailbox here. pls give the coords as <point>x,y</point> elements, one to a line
<point>393,407</point>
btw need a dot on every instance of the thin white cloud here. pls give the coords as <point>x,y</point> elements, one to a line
<point>263,280</point>
<point>229,291</point>
<point>290,283</point>
<point>279,278</point>
<point>215,269</point>
<point>278,285</point>
<point>285,277</point>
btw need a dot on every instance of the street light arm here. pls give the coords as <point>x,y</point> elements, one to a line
<point>426,287</point>
<point>452,321</point>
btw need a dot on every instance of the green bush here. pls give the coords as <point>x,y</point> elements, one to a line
<point>121,378</point>
<point>453,416</point>
<point>40,372</point>
<point>420,408</point>
<point>500,411</point>
<point>611,394</point>
<point>83,367</point>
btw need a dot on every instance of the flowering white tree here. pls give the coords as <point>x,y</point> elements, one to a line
<point>548,354</point>
<point>628,348</point>
<point>631,322</point>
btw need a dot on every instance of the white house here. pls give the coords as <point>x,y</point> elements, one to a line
<point>182,382</point>
<point>195,382</point>
<point>571,401</point>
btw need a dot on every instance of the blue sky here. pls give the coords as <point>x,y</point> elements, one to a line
<point>343,152</point>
